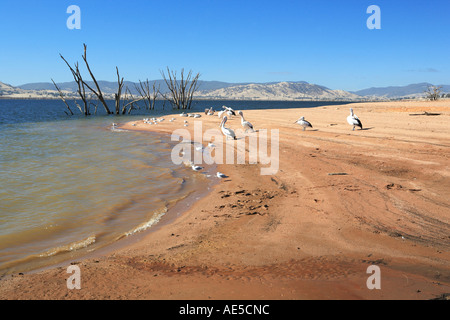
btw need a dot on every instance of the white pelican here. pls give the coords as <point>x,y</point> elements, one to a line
<point>197,116</point>
<point>220,113</point>
<point>183,114</point>
<point>227,131</point>
<point>247,125</point>
<point>229,111</point>
<point>210,112</point>
<point>353,120</point>
<point>221,175</point>
<point>303,123</point>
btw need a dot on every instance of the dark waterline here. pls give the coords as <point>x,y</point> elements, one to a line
<point>29,110</point>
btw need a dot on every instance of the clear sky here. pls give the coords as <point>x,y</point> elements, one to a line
<point>318,41</point>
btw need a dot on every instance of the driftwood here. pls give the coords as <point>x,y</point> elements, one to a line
<point>425,114</point>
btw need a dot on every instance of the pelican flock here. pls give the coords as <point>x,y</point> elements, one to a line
<point>353,120</point>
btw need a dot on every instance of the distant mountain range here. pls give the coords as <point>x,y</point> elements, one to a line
<point>412,90</point>
<point>286,90</point>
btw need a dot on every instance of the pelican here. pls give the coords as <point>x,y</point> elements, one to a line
<point>183,114</point>
<point>220,113</point>
<point>303,123</point>
<point>353,120</point>
<point>197,116</point>
<point>227,131</point>
<point>210,112</point>
<point>229,111</point>
<point>221,175</point>
<point>247,125</point>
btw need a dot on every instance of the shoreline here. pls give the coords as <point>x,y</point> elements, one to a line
<point>302,233</point>
<point>33,264</point>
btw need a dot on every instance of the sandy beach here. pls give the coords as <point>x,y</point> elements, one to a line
<point>340,202</point>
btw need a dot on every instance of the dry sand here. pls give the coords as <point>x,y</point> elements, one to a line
<point>301,233</point>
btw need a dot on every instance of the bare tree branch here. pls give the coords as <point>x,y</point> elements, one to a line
<point>98,93</point>
<point>180,92</point>
<point>62,97</point>
<point>433,92</point>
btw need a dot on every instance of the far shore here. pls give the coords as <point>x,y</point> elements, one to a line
<point>341,201</point>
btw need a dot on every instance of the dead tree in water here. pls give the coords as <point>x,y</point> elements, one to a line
<point>149,96</point>
<point>119,91</point>
<point>181,91</point>
<point>98,93</point>
<point>131,104</point>
<point>81,89</point>
<point>62,98</point>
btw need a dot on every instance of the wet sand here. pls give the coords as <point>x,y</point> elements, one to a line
<point>340,202</point>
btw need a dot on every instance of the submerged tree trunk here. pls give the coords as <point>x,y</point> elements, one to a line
<point>119,91</point>
<point>61,95</point>
<point>98,93</point>
<point>181,91</point>
<point>149,96</point>
<point>80,83</point>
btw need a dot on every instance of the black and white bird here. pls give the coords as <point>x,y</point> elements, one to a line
<point>227,131</point>
<point>353,120</point>
<point>221,175</point>
<point>196,168</point>
<point>247,125</point>
<point>305,124</point>
<point>229,111</point>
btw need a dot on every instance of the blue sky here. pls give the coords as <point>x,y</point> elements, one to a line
<point>322,42</point>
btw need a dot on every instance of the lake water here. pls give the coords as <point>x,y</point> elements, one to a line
<point>72,184</point>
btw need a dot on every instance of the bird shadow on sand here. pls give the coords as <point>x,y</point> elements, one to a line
<point>366,129</point>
